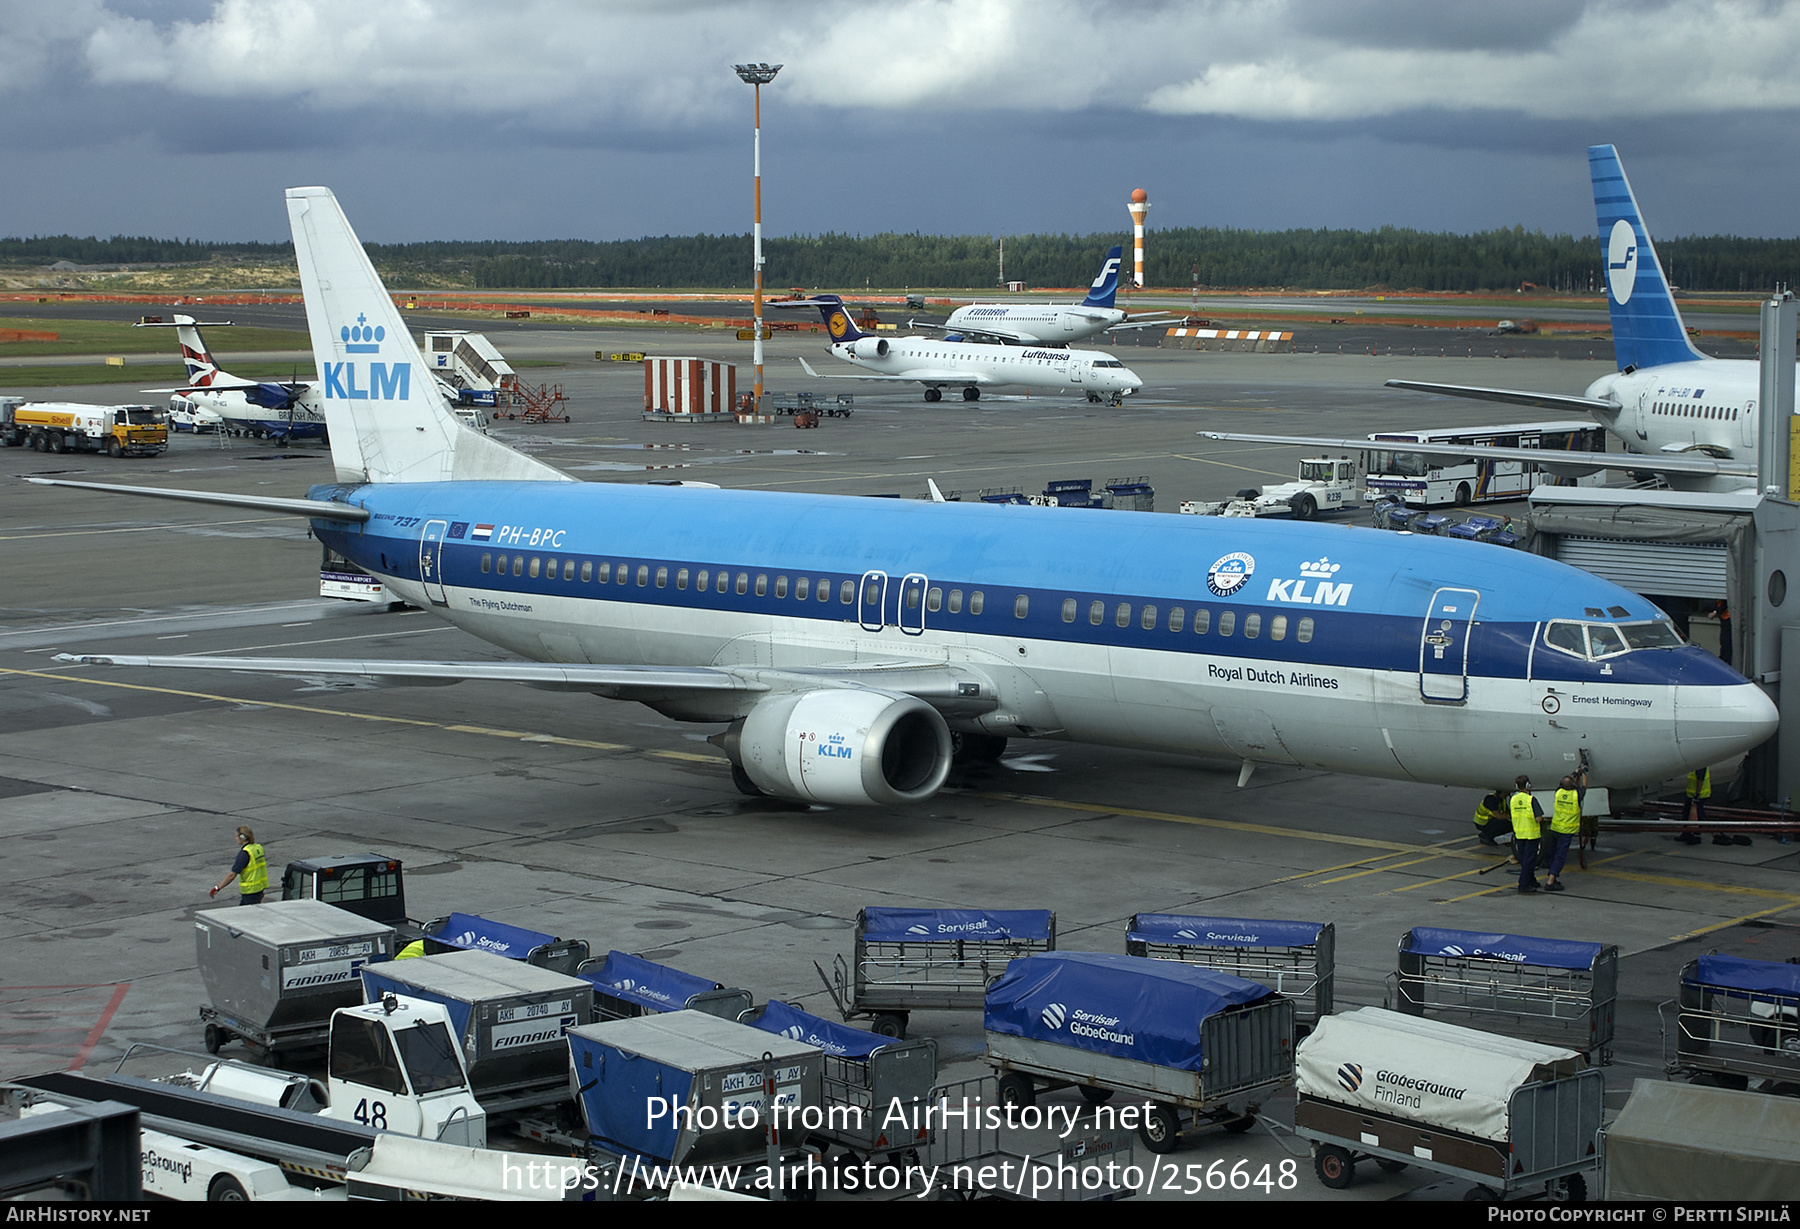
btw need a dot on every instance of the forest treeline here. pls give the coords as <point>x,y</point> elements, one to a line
<point>1302,259</point>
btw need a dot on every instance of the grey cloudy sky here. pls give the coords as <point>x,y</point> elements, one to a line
<point>467,119</point>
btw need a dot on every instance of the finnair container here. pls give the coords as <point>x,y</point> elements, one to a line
<point>274,973</point>
<point>510,1016</point>
<point>714,1071</point>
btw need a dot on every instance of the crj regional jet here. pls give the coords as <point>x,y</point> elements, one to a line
<point>1045,324</point>
<point>937,362</point>
<point>266,409</point>
<point>1680,414</point>
<point>845,644</point>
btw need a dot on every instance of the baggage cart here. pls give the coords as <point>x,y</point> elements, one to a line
<point>1294,959</point>
<point>628,1077</point>
<point>275,972</point>
<point>976,1158</point>
<point>904,960</point>
<point>627,986</point>
<point>510,1018</point>
<point>874,1086</point>
<point>1514,1117</point>
<point>1549,990</point>
<point>1203,1046</point>
<point>468,933</point>
<point>1735,1020</point>
<point>1686,1142</point>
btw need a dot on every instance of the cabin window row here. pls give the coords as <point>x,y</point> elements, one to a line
<point>1149,618</point>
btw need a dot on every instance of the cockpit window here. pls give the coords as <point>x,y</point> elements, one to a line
<point>1601,640</point>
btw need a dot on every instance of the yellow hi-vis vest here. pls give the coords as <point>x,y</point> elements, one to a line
<point>1524,820</point>
<point>1700,784</point>
<point>256,873</point>
<point>1567,817</point>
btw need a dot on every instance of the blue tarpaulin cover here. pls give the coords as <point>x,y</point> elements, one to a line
<point>479,934</point>
<point>1757,976</point>
<point>1128,1006</point>
<point>949,925</point>
<point>838,1039</point>
<point>1178,928</point>
<point>650,985</point>
<point>1514,949</point>
<point>615,1087</point>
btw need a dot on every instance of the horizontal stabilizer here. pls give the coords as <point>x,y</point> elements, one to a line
<point>327,510</point>
<point>1512,396</point>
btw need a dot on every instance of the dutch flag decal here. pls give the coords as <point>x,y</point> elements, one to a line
<point>482,533</point>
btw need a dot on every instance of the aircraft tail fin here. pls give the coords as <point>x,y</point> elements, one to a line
<point>201,369</point>
<point>1106,286</point>
<point>837,318</point>
<point>1647,327</point>
<point>387,418</point>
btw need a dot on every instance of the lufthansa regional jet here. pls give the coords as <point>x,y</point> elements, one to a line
<point>940,363</point>
<point>1691,418</point>
<point>846,666</point>
<point>1046,324</point>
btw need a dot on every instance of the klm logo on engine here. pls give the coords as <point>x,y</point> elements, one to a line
<point>380,381</point>
<point>836,747</point>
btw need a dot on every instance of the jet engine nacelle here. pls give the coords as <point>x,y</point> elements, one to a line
<point>846,747</point>
<point>869,347</point>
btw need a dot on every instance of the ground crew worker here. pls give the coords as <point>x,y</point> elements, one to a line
<point>1565,825</point>
<point>250,869</point>
<point>1490,816</point>
<point>411,951</point>
<point>1699,789</point>
<point>1527,832</point>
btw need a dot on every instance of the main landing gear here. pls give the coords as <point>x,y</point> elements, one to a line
<point>934,394</point>
<point>971,393</point>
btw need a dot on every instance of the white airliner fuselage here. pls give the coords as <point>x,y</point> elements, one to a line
<point>974,366</point>
<point>1053,324</point>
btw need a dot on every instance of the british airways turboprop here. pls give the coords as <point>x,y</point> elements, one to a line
<point>263,409</point>
<point>1679,413</point>
<point>845,644</point>
<point>940,363</point>
<point>1046,324</point>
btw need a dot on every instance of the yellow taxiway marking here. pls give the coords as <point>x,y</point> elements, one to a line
<point>1729,922</point>
<point>485,731</point>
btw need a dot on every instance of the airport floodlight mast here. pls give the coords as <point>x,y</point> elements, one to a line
<point>757,76</point>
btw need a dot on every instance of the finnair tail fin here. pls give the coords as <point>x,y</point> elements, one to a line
<point>837,319</point>
<point>1647,328</point>
<point>1101,293</point>
<point>388,421</point>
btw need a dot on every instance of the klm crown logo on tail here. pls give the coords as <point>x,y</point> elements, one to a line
<point>1106,286</point>
<point>385,381</point>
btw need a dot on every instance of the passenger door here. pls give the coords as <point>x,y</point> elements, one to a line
<point>871,601</point>
<point>1444,646</point>
<point>431,561</point>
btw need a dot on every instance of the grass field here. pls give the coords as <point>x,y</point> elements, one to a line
<point>110,337</point>
<point>142,375</point>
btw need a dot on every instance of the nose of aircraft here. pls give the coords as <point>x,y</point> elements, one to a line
<point>1714,723</point>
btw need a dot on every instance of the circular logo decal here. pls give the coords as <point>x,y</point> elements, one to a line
<point>1552,705</point>
<point>1053,1015</point>
<point>839,325</point>
<point>1622,261</point>
<point>1228,575</point>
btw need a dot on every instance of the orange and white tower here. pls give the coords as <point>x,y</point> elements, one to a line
<point>1139,206</point>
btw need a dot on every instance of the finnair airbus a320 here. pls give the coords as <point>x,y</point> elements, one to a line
<point>940,364</point>
<point>845,644</point>
<point>1046,324</point>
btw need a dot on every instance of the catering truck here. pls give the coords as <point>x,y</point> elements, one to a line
<point>64,426</point>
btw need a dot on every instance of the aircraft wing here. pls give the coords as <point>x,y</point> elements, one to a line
<point>1542,401</point>
<point>329,510</point>
<point>949,689</point>
<point>1160,320</point>
<point>917,377</point>
<point>1558,460</point>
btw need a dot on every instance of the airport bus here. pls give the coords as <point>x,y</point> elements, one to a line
<point>1428,482</point>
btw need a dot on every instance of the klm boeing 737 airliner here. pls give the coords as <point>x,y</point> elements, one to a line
<point>846,644</point>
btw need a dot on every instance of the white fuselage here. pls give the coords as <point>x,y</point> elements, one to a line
<point>1054,324</point>
<point>1706,406</point>
<point>936,363</point>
